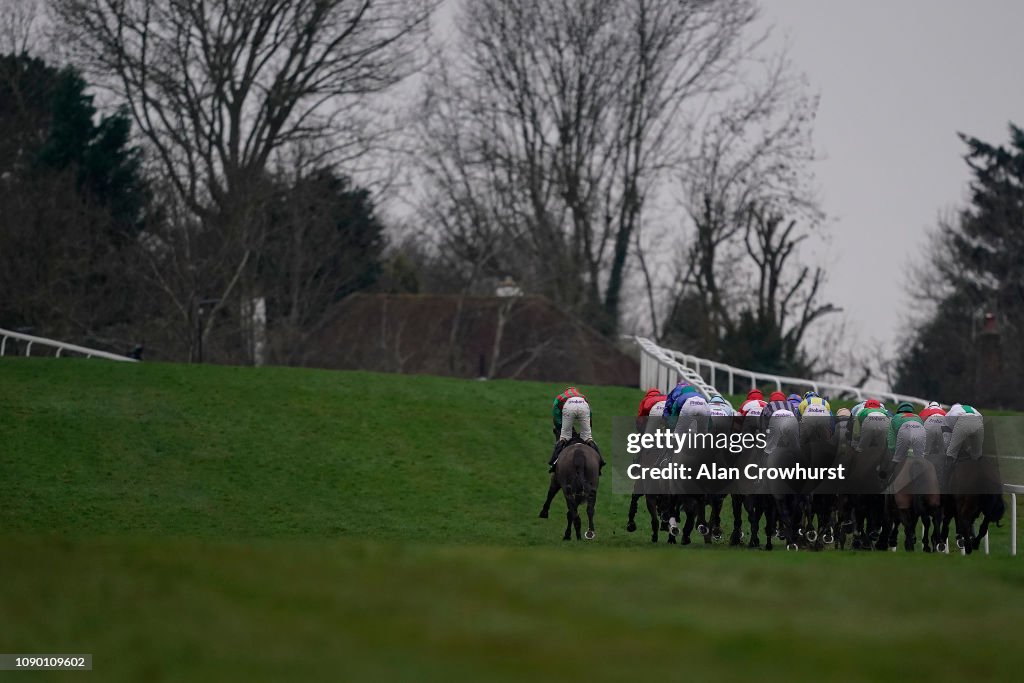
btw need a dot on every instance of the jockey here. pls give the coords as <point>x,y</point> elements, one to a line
<point>752,407</point>
<point>906,433</point>
<point>937,436</point>
<point>812,404</point>
<point>904,413</point>
<point>816,421</point>
<point>857,408</point>
<point>570,408</point>
<point>754,399</point>
<point>872,426</point>
<point>651,405</point>
<point>693,414</point>
<point>679,395</point>
<point>779,421</point>
<point>776,401</point>
<point>721,413</point>
<point>968,431</point>
<point>844,427</point>
<point>720,407</point>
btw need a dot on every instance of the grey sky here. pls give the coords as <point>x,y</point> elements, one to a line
<point>897,81</point>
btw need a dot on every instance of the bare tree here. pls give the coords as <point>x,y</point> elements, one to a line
<point>788,297</point>
<point>562,117</point>
<point>220,91</point>
<point>18,22</point>
<point>749,170</point>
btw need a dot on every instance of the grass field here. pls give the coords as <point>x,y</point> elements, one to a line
<point>214,523</point>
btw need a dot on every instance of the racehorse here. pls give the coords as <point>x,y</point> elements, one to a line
<point>576,475</point>
<point>653,492</point>
<point>973,495</point>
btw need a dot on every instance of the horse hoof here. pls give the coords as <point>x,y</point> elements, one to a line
<point>828,539</point>
<point>960,542</point>
<point>940,547</point>
<point>543,514</point>
<point>702,529</point>
<point>631,526</point>
<point>566,538</point>
<point>589,535</point>
<point>686,541</point>
<point>755,542</point>
<point>673,531</point>
<point>791,546</point>
<point>811,535</point>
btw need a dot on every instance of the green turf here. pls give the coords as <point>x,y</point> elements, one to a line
<point>213,523</point>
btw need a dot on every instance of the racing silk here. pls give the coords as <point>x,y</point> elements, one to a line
<point>959,409</point>
<point>783,431</point>
<point>932,409</point>
<point>719,410</point>
<point>657,410</point>
<point>683,392</point>
<point>815,405</point>
<point>754,399</point>
<point>968,432</point>
<point>694,415</point>
<point>653,398</point>
<point>871,411</point>
<point>774,406</point>
<point>719,406</point>
<point>898,421</point>
<point>854,411</point>
<point>559,404</point>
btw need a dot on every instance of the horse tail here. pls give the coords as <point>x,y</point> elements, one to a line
<point>579,463</point>
<point>998,509</point>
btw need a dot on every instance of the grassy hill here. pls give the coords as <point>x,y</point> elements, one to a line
<point>216,523</point>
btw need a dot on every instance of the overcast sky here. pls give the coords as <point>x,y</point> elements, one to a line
<point>897,81</point>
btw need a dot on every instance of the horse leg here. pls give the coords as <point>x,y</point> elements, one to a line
<point>717,503</point>
<point>737,520</point>
<point>754,518</point>
<point>569,511</point>
<point>909,520</point>
<point>686,505</point>
<point>768,507</point>
<point>591,504</point>
<point>982,532</point>
<point>631,521</point>
<point>552,491</point>
<point>652,509</point>
<point>926,532</point>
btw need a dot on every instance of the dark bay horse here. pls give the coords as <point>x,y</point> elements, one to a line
<point>576,476</point>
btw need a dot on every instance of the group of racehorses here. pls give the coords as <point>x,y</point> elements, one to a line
<point>798,519</point>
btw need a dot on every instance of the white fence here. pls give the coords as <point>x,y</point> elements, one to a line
<point>61,348</point>
<point>662,368</point>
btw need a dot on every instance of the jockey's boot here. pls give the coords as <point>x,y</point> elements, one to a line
<point>590,442</point>
<point>554,454</point>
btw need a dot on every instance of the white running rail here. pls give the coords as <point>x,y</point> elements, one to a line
<point>661,362</point>
<point>660,368</point>
<point>62,347</point>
